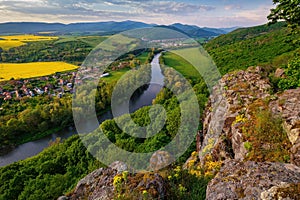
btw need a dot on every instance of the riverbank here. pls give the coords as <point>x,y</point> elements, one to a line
<point>27,139</point>
<point>31,146</point>
<point>32,138</point>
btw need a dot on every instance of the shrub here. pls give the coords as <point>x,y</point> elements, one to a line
<point>265,138</point>
<point>293,75</point>
<point>248,146</point>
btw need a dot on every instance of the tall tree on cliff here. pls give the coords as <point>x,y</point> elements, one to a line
<point>287,10</point>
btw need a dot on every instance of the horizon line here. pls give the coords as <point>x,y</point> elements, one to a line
<point>117,21</point>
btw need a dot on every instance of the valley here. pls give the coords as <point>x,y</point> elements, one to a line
<point>237,90</point>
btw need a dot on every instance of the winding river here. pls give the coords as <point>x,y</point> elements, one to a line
<point>33,148</point>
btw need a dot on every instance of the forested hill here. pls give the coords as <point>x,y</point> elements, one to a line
<point>261,45</point>
<point>103,28</point>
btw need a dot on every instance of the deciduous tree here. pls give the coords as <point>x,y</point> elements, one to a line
<point>287,10</point>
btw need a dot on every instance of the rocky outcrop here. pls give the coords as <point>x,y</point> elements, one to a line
<point>119,166</point>
<point>95,186</point>
<point>160,159</point>
<point>151,183</point>
<point>106,184</point>
<point>252,180</point>
<point>98,184</point>
<point>230,98</point>
<point>230,106</point>
<point>279,73</point>
<point>231,112</point>
<point>288,106</point>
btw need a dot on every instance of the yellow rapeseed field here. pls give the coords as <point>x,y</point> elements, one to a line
<point>29,70</point>
<point>7,42</point>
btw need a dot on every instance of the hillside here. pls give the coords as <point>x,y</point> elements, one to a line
<point>261,45</point>
<point>103,28</point>
<point>195,31</point>
<point>59,28</point>
<point>29,27</point>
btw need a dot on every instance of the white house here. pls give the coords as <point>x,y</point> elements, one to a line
<point>104,75</point>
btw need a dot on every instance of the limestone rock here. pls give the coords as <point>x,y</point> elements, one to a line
<point>288,106</point>
<point>152,182</point>
<point>279,73</point>
<point>96,185</point>
<point>63,198</point>
<point>295,154</point>
<point>252,180</point>
<point>160,159</point>
<point>284,191</point>
<point>119,166</point>
<point>231,104</point>
<point>229,99</point>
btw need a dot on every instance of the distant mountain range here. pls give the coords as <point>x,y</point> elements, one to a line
<point>104,28</point>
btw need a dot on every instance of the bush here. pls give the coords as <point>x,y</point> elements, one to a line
<point>265,138</point>
<point>184,185</point>
<point>292,73</point>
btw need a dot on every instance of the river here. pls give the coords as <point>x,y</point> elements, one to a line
<point>145,99</point>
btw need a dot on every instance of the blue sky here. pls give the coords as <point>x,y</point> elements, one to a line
<point>212,13</point>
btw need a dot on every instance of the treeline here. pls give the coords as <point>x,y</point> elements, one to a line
<point>71,51</point>
<point>245,33</point>
<point>269,46</point>
<point>34,121</point>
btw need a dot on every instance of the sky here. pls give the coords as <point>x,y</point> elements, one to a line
<point>208,13</point>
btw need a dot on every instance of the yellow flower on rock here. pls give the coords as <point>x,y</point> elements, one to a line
<point>145,192</point>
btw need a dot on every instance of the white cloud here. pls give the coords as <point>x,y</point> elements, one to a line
<point>258,15</point>
<point>150,11</point>
<point>232,7</point>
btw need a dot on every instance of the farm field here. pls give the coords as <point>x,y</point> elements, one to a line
<point>29,70</point>
<point>115,75</point>
<point>174,60</point>
<point>143,57</point>
<point>8,42</point>
<point>114,41</point>
<point>193,63</point>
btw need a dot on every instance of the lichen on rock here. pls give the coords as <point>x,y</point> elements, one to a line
<point>253,180</point>
<point>113,182</point>
<point>227,105</point>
